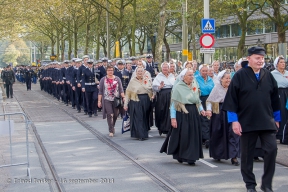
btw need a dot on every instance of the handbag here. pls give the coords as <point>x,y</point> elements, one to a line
<point>126,123</point>
<point>118,102</point>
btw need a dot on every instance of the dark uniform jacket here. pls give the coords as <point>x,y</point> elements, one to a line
<point>151,68</point>
<point>9,77</point>
<point>253,101</point>
<point>102,72</point>
<point>88,80</point>
<point>125,77</point>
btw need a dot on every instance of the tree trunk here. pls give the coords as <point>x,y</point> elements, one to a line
<point>57,44</point>
<point>241,44</point>
<point>75,39</point>
<point>161,31</point>
<point>130,46</point>
<point>98,37</point>
<point>281,34</point>
<point>62,46</point>
<point>87,38</point>
<point>167,49</point>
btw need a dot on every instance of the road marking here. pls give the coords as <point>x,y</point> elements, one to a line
<point>207,163</point>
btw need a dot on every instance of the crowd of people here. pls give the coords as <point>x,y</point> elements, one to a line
<point>227,111</point>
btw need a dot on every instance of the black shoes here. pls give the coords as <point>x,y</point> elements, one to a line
<point>191,163</point>
<point>141,139</point>
<point>266,189</point>
<point>79,111</point>
<point>207,144</point>
<point>234,161</point>
<point>180,161</point>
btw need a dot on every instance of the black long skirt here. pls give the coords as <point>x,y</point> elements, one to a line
<point>162,112</point>
<point>139,116</point>
<point>205,122</point>
<point>283,94</point>
<point>185,142</point>
<point>224,143</point>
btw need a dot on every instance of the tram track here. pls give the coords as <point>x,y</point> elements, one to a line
<point>57,186</point>
<point>159,179</point>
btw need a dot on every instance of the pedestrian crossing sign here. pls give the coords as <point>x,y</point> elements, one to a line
<point>208,25</point>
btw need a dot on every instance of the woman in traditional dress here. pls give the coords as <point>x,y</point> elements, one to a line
<point>184,139</point>
<point>137,102</point>
<point>163,84</point>
<point>281,76</point>
<point>224,143</point>
<point>172,69</point>
<point>206,85</point>
<point>211,74</point>
<point>110,87</point>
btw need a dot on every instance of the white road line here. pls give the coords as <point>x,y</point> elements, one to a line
<point>207,163</point>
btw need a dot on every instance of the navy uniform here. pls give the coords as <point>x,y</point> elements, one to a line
<point>69,74</point>
<point>28,75</point>
<point>103,67</point>
<point>9,80</point>
<point>123,74</point>
<point>151,67</point>
<point>64,83</point>
<point>76,89</point>
<point>89,87</point>
<point>79,79</point>
<point>134,62</point>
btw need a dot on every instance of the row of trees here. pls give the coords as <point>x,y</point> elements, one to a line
<point>81,24</point>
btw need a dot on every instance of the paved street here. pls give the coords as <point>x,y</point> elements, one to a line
<point>85,162</point>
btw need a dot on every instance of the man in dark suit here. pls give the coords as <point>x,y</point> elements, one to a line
<point>29,73</point>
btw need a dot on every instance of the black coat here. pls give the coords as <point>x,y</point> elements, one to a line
<point>254,101</point>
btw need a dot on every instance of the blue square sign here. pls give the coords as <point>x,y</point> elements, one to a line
<point>208,25</point>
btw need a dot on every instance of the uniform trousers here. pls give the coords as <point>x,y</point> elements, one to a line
<point>72,96</point>
<point>28,83</point>
<point>78,97</point>
<point>84,103</point>
<point>248,142</point>
<point>91,99</point>
<point>9,89</point>
<point>65,92</point>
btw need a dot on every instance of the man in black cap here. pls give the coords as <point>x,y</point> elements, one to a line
<point>253,108</point>
<point>29,73</point>
<point>103,67</point>
<point>151,67</point>
<point>9,80</point>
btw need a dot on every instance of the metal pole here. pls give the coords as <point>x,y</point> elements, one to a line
<point>184,32</point>
<point>10,135</point>
<point>107,26</point>
<point>207,56</point>
<point>34,54</point>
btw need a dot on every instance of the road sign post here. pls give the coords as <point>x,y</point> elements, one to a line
<point>207,57</point>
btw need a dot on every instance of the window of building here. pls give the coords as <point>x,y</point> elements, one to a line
<point>236,30</point>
